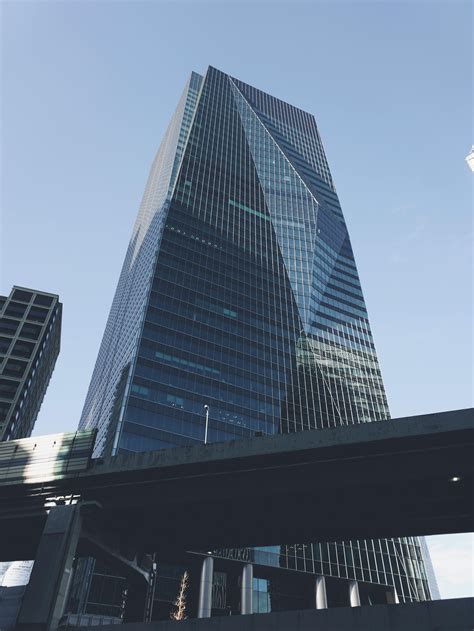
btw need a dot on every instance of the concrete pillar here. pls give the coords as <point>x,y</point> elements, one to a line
<point>354,596</point>
<point>150,592</point>
<point>205,588</point>
<point>392,597</point>
<point>46,594</point>
<point>246,597</point>
<point>320,593</point>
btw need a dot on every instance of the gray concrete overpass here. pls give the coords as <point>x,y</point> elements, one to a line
<point>411,476</point>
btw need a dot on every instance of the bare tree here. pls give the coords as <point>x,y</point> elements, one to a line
<point>180,602</point>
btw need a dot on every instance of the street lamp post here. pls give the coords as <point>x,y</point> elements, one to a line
<point>206,409</point>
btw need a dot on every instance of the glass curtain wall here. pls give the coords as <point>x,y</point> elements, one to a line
<point>240,292</point>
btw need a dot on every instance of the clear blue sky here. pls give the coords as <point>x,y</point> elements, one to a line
<point>88,88</point>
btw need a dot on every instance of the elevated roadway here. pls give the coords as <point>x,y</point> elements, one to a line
<point>408,476</point>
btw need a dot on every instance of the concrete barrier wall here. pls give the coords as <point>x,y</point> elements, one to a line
<point>439,615</point>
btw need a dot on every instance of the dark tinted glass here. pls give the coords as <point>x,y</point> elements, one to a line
<point>4,408</point>
<point>8,389</point>
<point>31,331</point>
<point>37,314</point>
<point>23,349</point>
<point>4,344</point>
<point>15,309</point>
<point>8,326</point>
<point>24,296</point>
<point>45,301</point>
<point>14,368</point>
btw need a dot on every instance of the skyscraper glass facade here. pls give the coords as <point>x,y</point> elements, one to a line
<point>239,291</point>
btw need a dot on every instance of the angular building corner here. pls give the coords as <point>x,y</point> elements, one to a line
<point>240,292</point>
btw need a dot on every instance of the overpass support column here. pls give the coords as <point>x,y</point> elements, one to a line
<point>45,596</point>
<point>392,597</point>
<point>246,597</point>
<point>354,596</point>
<point>205,588</point>
<point>320,593</point>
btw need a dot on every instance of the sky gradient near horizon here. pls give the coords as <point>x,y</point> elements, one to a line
<point>88,89</point>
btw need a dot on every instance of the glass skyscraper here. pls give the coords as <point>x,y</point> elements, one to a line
<point>239,291</point>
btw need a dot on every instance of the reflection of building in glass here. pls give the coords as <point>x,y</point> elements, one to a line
<point>433,583</point>
<point>240,291</point>
<point>30,330</point>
